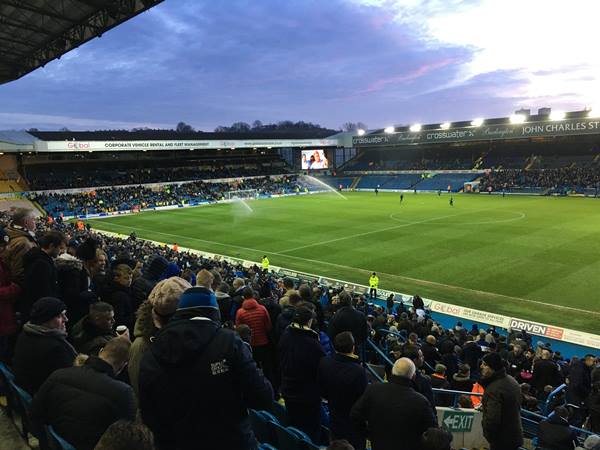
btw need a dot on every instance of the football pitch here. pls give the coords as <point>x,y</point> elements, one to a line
<point>535,258</point>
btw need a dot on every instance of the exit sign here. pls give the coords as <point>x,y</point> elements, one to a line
<point>458,421</point>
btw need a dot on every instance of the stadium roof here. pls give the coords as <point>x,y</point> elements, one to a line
<point>120,135</point>
<point>35,32</point>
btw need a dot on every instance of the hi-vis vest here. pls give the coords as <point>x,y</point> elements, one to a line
<point>265,263</point>
<point>374,281</point>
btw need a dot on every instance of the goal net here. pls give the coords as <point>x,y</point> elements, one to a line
<point>242,194</point>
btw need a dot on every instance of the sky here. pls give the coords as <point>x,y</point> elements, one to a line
<point>380,62</point>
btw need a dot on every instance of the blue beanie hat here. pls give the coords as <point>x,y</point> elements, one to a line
<point>198,297</point>
<point>172,270</point>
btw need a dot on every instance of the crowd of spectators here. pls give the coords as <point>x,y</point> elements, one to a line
<point>98,329</point>
<point>569,178</point>
<point>141,197</point>
<point>44,178</point>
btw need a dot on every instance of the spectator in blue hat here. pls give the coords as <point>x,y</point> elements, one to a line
<point>198,380</point>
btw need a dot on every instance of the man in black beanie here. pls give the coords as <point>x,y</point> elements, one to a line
<point>501,405</point>
<point>42,346</point>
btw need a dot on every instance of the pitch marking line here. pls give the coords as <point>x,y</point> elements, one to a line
<point>367,233</point>
<point>401,277</point>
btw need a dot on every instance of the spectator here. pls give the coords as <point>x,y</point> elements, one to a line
<point>152,315</point>
<point>580,386</point>
<point>555,433</point>
<point>395,414</point>
<point>126,435</point>
<point>591,443</point>
<point>225,302</point>
<point>461,381</point>
<point>422,382</point>
<point>464,401</point>
<point>257,318</point>
<point>439,381</point>
<point>300,354</point>
<point>501,405</point>
<point>21,234</point>
<point>431,354</point>
<point>545,373</point>
<point>236,297</point>
<point>117,292</point>
<point>141,288</point>
<point>592,405</point>
<point>80,403</point>
<point>286,316</point>
<point>348,319</point>
<point>95,330</point>
<point>42,346</point>
<point>39,270</point>
<point>516,360</point>
<point>471,354</point>
<point>436,439</point>
<point>192,366</point>
<point>342,380</point>
<point>9,293</point>
<point>73,285</point>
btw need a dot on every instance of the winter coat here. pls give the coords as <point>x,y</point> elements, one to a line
<point>580,383</point>
<point>9,293</point>
<point>120,298</point>
<point>40,279</point>
<point>82,402</point>
<point>471,353</point>
<point>545,372</point>
<point>395,415</point>
<point>441,383</point>
<point>459,383</point>
<point>299,357</point>
<point>142,286</point>
<point>592,404</point>
<point>73,287</point>
<point>225,303</point>
<point>501,407</point>
<point>143,331</point>
<point>342,381</point>
<point>349,319</point>
<point>39,352</point>
<point>257,318</point>
<point>422,384</point>
<point>196,384</point>
<point>20,243</point>
<point>430,354</point>
<point>284,320</point>
<point>555,433</point>
<point>88,338</point>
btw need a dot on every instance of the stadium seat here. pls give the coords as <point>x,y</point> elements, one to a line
<point>262,424</point>
<point>18,401</point>
<point>52,441</point>
<point>266,447</point>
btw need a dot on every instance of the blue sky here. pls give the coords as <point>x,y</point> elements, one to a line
<point>381,62</point>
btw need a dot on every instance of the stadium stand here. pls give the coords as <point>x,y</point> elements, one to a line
<point>402,330</point>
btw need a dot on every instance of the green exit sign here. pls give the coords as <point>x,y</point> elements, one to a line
<point>457,421</point>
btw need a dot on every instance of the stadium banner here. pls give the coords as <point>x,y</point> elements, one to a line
<point>111,146</point>
<point>567,127</point>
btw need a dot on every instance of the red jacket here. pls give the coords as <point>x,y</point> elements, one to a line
<point>257,318</point>
<point>9,292</point>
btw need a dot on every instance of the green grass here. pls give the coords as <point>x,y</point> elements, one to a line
<point>503,255</point>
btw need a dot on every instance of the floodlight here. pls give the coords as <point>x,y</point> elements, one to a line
<point>517,118</point>
<point>360,132</point>
<point>477,122</point>
<point>557,115</point>
<point>389,129</point>
<point>445,125</point>
<point>415,128</point>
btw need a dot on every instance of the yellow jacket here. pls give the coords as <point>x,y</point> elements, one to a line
<point>373,281</point>
<point>265,263</point>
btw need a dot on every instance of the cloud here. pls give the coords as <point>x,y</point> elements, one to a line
<point>53,122</point>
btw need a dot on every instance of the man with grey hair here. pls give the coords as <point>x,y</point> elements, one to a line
<point>21,234</point>
<point>394,414</point>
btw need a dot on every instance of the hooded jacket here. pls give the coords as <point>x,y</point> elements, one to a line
<point>555,433</point>
<point>196,383</point>
<point>21,241</point>
<point>73,287</point>
<point>257,318</point>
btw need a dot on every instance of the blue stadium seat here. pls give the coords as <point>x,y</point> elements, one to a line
<point>53,441</point>
<point>286,439</point>
<point>262,425</point>
<point>18,401</point>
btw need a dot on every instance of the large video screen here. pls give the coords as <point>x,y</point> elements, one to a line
<point>314,160</point>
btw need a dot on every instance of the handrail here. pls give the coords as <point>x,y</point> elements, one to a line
<point>551,396</point>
